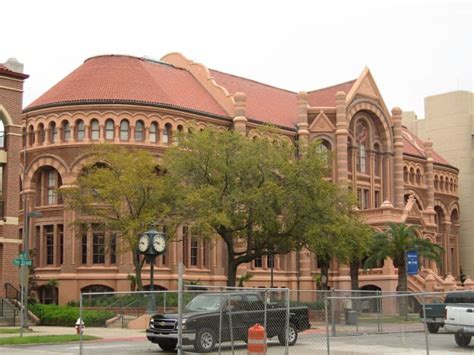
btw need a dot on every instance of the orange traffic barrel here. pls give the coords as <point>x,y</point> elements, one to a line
<point>257,340</point>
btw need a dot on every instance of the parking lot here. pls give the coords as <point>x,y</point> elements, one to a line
<point>389,343</point>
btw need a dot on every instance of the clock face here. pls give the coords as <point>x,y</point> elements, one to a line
<point>159,243</point>
<point>143,243</point>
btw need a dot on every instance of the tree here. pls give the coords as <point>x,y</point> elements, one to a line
<point>256,195</point>
<point>394,243</point>
<point>120,189</point>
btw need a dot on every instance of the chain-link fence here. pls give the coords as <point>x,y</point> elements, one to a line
<point>217,320</point>
<point>211,319</point>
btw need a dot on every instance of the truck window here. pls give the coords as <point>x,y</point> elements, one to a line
<point>236,302</point>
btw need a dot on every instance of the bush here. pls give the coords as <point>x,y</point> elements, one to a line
<point>50,314</point>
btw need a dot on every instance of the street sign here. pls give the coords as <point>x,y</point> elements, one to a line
<point>22,260</point>
<point>412,262</point>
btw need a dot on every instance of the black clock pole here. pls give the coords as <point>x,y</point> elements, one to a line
<point>151,306</point>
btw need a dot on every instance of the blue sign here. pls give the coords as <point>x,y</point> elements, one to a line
<point>412,262</point>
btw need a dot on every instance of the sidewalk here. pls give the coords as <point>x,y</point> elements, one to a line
<point>104,333</point>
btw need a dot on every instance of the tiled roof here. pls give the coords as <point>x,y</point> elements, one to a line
<point>118,78</point>
<point>6,71</point>
<point>112,78</point>
<point>264,102</point>
<point>414,146</point>
<point>326,97</point>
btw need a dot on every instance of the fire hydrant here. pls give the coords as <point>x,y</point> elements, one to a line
<point>79,326</point>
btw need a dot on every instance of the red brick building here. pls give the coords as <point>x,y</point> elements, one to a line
<point>11,101</point>
<point>138,102</point>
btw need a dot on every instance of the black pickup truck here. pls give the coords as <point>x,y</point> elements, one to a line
<point>435,312</point>
<point>235,312</point>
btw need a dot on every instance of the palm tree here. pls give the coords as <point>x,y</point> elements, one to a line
<point>394,243</point>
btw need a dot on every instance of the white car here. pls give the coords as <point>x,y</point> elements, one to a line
<point>459,318</point>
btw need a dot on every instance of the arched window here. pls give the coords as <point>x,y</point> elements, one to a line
<point>41,134</point>
<point>362,133</point>
<point>418,176</point>
<point>153,136</point>
<point>441,183</point>
<point>95,130</point>
<point>80,130</point>
<point>167,134</point>
<point>47,181</point>
<point>139,131</point>
<point>377,160</point>
<point>66,131</point>
<point>124,130</point>
<point>31,135</point>
<point>96,288</point>
<point>324,149</point>
<point>109,129</point>
<point>2,134</point>
<point>436,184</point>
<point>180,133</point>
<point>405,174</point>
<point>412,176</point>
<point>53,133</point>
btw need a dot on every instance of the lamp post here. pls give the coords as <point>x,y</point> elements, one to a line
<point>152,244</point>
<point>24,267</point>
<point>271,262</point>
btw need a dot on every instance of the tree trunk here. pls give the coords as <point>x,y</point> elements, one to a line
<point>138,271</point>
<point>402,288</point>
<point>354,266</point>
<point>231,273</point>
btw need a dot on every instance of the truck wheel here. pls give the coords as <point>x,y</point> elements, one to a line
<point>292,335</point>
<point>205,340</point>
<point>167,344</point>
<point>433,328</point>
<point>462,339</point>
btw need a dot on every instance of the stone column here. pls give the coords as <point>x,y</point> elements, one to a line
<point>87,134</point>
<point>240,121</point>
<point>398,156</point>
<point>302,119</point>
<point>341,139</point>
<point>428,145</point>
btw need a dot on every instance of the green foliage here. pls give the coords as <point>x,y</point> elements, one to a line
<point>259,196</point>
<point>44,339</point>
<point>395,242</point>
<point>244,278</point>
<point>120,190</point>
<point>67,316</point>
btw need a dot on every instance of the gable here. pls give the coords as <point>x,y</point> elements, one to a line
<point>322,123</point>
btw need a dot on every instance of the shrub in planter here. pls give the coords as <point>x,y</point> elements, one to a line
<point>50,314</point>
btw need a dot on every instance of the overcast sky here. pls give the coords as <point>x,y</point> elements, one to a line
<point>413,48</point>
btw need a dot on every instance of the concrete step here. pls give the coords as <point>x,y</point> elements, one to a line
<point>119,322</point>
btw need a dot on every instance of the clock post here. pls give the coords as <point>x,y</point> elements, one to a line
<point>151,244</point>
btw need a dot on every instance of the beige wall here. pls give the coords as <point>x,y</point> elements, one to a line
<point>449,123</point>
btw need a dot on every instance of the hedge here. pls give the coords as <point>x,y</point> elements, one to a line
<point>50,314</point>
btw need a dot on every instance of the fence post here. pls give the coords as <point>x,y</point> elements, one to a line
<point>425,325</point>
<point>180,307</point>
<point>230,323</point>
<point>265,310</point>
<point>80,325</point>
<point>287,325</point>
<point>333,315</point>
<point>220,321</point>
<point>326,316</point>
<point>379,312</point>
<point>164,302</point>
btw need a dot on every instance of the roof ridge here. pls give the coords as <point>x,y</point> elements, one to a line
<point>332,86</point>
<point>254,81</point>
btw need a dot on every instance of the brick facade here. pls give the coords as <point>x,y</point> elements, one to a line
<point>395,175</point>
<point>11,96</point>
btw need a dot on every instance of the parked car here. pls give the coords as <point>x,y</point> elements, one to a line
<point>435,312</point>
<point>236,313</point>
<point>460,320</point>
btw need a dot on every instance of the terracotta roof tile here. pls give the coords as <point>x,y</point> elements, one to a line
<point>6,71</point>
<point>264,102</point>
<point>111,77</point>
<point>414,146</point>
<point>326,97</point>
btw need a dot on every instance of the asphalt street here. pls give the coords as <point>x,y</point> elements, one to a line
<point>408,343</point>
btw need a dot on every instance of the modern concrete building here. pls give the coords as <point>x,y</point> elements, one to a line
<point>11,96</point>
<point>449,123</point>
<point>136,102</point>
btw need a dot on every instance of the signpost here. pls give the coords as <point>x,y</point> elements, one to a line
<point>22,260</point>
<point>412,262</point>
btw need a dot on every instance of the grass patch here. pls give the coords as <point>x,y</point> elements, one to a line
<point>10,330</point>
<point>44,339</point>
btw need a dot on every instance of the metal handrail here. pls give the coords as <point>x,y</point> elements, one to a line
<point>126,307</point>
<point>11,292</point>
